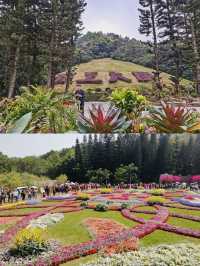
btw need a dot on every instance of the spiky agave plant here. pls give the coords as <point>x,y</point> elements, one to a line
<point>173,119</point>
<point>101,121</point>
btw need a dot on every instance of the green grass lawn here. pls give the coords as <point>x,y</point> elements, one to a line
<point>146,208</point>
<point>182,211</point>
<point>72,231</point>
<point>161,237</point>
<point>184,223</point>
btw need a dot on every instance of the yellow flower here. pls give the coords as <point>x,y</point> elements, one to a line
<point>29,235</point>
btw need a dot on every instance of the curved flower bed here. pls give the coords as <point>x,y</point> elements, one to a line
<point>179,230</point>
<point>188,202</point>
<point>111,238</point>
<point>68,253</point>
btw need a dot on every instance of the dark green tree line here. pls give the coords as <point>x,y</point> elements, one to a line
<point>38,39</point>
<point>101,157</point>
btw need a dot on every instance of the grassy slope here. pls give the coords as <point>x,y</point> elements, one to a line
<point>104,66</point>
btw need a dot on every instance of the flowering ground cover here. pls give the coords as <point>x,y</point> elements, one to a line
<point>128,218</point>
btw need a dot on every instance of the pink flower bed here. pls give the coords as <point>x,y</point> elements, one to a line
<point>115,76</point>
<point>179,230</point>
<point>104,227</point>
<point>8,220</point>
<point>143,76</point>
<point>195,179</point>
<point>90,78</point>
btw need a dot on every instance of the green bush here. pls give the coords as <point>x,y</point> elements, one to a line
<point>155,200</point>
<point>125,206</point>
<point>49,113</point>
<point>84,204</point>
<point>82,196</point>
<point>130,102</point>
<point>157,192</point>
<point>101,208</point>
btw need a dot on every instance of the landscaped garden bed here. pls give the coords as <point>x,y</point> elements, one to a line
<point>108,226</point>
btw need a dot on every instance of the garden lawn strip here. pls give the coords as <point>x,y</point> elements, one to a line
<point>184,223</point>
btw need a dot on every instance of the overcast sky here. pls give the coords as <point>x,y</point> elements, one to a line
<point>117,16</point>
<point>26,145</point>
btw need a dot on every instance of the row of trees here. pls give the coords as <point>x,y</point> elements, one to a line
<point>173,24</point>
<point>151,155</point>
<point>37,41</point>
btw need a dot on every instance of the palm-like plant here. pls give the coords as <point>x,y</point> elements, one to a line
<point>101,121</point>
<point>173,119</point>
<point>49,112</point>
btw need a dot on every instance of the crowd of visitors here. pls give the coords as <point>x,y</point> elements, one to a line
<point>32,193</point>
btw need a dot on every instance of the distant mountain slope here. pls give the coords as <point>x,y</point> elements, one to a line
<point>97,45</point>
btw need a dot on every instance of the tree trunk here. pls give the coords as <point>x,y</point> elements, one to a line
<point>14,58</point>
<point>52,49</point>
<point>68,75</point>
<point>51,75</point>
<point>196,56</point>
<point>156,53</point>
<point>170,13</point>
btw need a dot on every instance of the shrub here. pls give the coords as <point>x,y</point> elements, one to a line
<point>101,208</point>
<point>125,206</point>
<point>157,192</point>
<point>155,200</point>
<point>47,110</point>
<point>130,102</point>
<point>29,242</point>
<point>84,204</point>
<point>82,196</point>
<point>106,191</point>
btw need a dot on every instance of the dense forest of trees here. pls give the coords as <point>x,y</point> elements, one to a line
<point>37,41</point>
<point>151,154</point>
<point>41,38</point>
<point>175,23</point>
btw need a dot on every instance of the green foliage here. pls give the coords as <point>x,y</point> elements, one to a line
<point>101,208</point>
<point>155,200</point>
<point>130,102</point>
<point>126,174</point>
<point>173,119</point>
<point>84,204</point>
<point>125,206</point>
<point>157,192</point>
<point>103,122</point>
<point>106,191</point>
<point>62,179</point>
<point>49,114</point>
<point>13,179</point>
<point>21,124</point>
<point>101,176</point>
<point>83,196</point>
